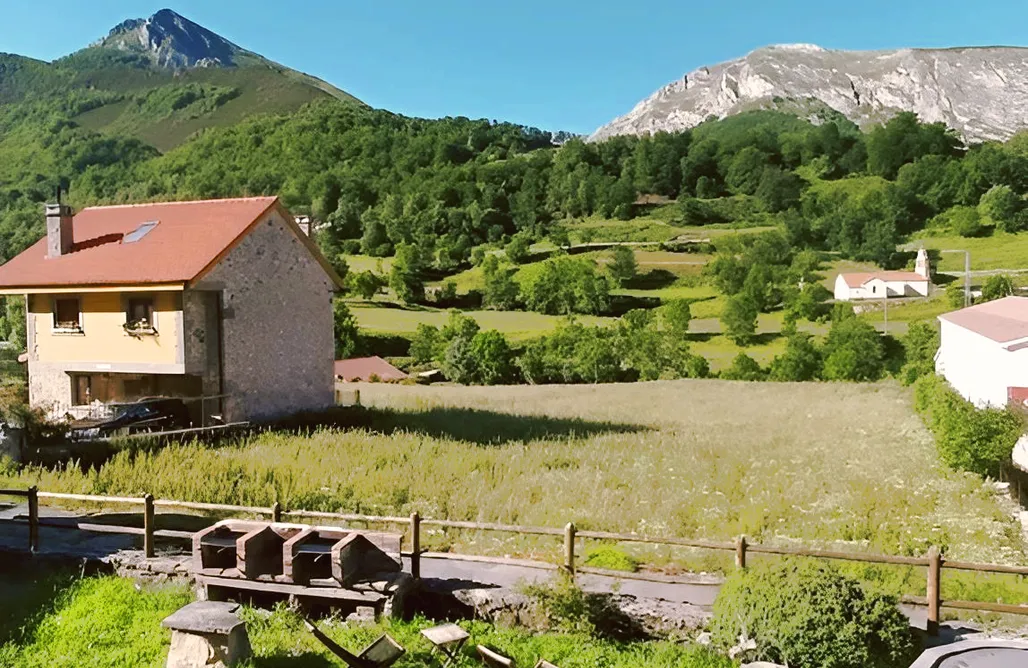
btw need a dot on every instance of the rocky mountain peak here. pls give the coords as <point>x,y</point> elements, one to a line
<point>981,92</point>
<point>172,41</point>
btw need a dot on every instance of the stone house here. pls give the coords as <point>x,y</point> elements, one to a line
<point>224,303</point>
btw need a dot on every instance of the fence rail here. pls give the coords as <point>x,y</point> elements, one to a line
<point>933,561</point>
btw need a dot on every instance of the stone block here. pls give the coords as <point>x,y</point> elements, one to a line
<point>207,633</point>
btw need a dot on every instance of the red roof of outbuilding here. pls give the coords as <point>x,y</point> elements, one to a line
<point>1001,320</point>
<point>188,238</point>
<point>363,368</point>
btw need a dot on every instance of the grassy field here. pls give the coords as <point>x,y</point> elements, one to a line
<point>388,318</point>
<point>110,622</point>
<point>832,464</point>
<point>999,250</point>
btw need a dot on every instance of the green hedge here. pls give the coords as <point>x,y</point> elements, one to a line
<point>809,615</point>
<point>969,439</point>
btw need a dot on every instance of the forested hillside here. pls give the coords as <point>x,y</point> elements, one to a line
<point>117,129</point>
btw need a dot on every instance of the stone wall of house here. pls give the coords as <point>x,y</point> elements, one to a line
<point>49,385</point>
<point>277,330</point>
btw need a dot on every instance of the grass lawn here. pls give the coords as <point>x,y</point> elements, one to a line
<point>835,464</point>
<point>997,251</point>
<point>109,622</point>
<point>390,318</point>
<point>360,263</point>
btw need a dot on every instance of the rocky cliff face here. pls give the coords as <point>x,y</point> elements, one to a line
<point>980,92</point>
<point>172,41</point>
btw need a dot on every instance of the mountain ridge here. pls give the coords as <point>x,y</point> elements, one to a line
<point>979,91</point>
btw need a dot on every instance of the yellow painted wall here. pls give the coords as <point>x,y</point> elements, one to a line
<point>103,338</point>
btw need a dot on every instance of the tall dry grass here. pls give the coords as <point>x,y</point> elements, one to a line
<point>847,465</point>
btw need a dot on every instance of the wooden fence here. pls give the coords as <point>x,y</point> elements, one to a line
<point>933,561</point>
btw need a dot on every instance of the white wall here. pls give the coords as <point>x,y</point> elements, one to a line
<point>978,368</point>
<point>878,289</point>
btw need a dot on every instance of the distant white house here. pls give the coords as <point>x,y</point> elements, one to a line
<point>885,284</point>
<point>984,351</point>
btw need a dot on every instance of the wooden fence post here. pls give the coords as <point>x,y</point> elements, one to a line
<point>569,549</point>
<point>148,521</point>
<point>415,545</point>
<point>276,512</point>
<point>33,519</point>
<point>933,591</point>
<point>740,552</point>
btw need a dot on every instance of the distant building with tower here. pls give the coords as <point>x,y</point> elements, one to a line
<point>886,284</point>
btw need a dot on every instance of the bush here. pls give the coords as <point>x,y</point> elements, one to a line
<point>571,610</point>
<point>743,367</point>
<point>808,615</point>
<point>801,360</point>
<point>612,559</point>
<point>854,351</point>
<point>955,294</point>
<point>968,439</point>
<point>739,319</point>
<point>997,286</point>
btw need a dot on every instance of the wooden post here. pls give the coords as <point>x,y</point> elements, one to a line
<point>933,592</point>
<point>357,398</point>
<point>415,545</point>
<point>276,512</point>
<point>148,521</point>
<point>569,549</point>
<point>33,519</point>
<point>740,552</point>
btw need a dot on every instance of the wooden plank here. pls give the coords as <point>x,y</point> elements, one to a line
<point>92,497</point>
<point>480,526</point>
<point>634,538</point>
<point>346,517</point>
<point>14,492</point>
<point>845,556</point>
<point>254,510</point>
<point>985,568</point>
<point>294,590</point>
<point>1005,608</point>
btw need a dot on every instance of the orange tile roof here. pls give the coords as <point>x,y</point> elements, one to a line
<point>859,279</point>
<point>189,236</point>
<point>1001,320</point>
<point>363,368</point>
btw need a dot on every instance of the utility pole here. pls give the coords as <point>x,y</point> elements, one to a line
<point>967,278</point>
<point>967,274</point>
<point>885,303</point>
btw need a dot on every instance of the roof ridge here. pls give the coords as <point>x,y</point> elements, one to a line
<point>192,201</point>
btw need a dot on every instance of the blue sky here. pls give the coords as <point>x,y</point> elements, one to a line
<point>561,64</point>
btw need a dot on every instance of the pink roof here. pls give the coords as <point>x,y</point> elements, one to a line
<point>860,279</point>
<point>1001,320</point>
<point>363,368</point>
<point>189,237</point>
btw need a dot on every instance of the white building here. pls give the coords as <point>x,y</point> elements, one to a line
<point>984,351</point>
<point>885,284</point>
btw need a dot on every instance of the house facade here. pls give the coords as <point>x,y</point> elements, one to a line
<point>223,303</point>
<point>983,351</point>
<point>886,284</point>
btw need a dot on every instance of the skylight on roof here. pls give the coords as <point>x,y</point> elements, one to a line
<point>138,233</point>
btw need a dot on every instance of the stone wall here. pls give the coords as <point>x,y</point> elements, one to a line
<point>49,385</point>
<point>277,331</point>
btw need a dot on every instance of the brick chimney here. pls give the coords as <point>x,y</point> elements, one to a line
<point>58,228</point>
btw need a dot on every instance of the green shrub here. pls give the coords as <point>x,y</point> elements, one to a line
<point>570,610</point>
<point>968,439</point>
<point>611,559</point>
<point>809,615</point>
<point>744,367</point>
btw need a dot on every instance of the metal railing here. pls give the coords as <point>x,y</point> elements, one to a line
<point>933,561</point>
